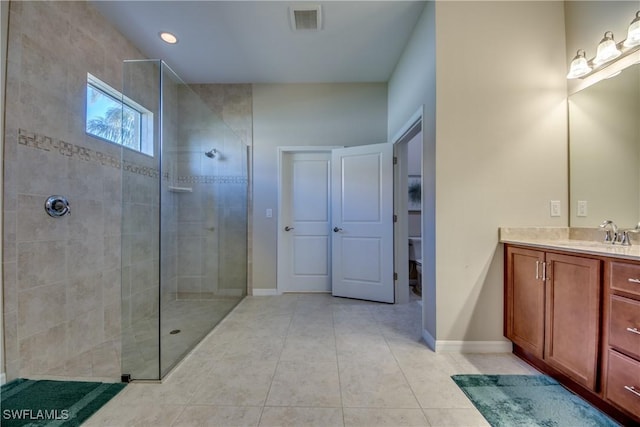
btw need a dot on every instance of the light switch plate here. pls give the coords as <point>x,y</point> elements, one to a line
<point>269,213</point>
<point>554,206</point>
<point>582,208</point>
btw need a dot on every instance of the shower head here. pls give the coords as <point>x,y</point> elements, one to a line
<point>211,153</point>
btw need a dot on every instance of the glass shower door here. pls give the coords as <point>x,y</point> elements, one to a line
<point>200,245</point>
<point>140,257</point>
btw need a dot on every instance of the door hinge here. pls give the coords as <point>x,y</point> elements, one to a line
<point>395,160</point>
<point>395,218</point>
<point>395,276</point>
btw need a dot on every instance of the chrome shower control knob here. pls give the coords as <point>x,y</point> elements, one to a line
<point>57,206</point>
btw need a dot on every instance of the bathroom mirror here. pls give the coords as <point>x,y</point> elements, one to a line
<point>604,152</point>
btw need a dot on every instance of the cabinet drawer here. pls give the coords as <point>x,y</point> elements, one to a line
<point>625,277</point>
<point>624,325</point>
<point>623,382</point>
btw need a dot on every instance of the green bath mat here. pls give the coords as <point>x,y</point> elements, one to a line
<point>53,403</point>
<point>529,400</point>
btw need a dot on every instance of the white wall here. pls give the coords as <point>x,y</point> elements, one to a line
<point>501,150</point>
<point>4,36</point>
<point>495,147</point>
<point>412,86</point>
<point>303,115</point>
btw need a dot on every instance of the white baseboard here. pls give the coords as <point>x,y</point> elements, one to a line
<point>3,378</point>
<point>473,347</point>
<point>265,292</point>
<point>442,346</point>
<point>229,292</point>
<point>431,342</point>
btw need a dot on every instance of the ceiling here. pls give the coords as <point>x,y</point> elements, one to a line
<point>253,42</point>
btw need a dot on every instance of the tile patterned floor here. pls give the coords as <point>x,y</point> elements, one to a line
<point>311,360</point>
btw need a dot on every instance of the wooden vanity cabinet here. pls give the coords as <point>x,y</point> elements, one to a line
<point>572,329</point>
<point>524,299</point>
<point>552,310</point>
<point>622,367</point>
<point>577,318</point>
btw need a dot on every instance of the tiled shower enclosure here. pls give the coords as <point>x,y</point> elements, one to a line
<point>79,300</point>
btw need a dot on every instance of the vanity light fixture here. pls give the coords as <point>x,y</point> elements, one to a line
<point>633,35</point>
<point>168,37</point>
<point>607,49</point>
<point>579,65</point>
<point>607,52</point>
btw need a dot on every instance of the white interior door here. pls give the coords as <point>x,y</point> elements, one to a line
<point>304,263</point>
<point>362,222</point>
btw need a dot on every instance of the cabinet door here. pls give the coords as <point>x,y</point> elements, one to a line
<point>572,316</point>
<point>524,299</point>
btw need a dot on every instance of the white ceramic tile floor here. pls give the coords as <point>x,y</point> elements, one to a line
<point>311,360</point>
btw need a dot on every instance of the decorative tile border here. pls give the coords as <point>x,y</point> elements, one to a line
<point>212,179</point>
<point>46,143</point>
<point>141,170</point>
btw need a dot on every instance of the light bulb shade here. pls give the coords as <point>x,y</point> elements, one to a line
<point>607,49</point>
<point>579,66</point>
<point>633,35</point>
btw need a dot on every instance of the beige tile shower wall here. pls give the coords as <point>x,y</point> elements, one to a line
<point>61,276</point>
<point>232,103</point>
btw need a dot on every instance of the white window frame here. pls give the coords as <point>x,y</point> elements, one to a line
<point>146,116</point>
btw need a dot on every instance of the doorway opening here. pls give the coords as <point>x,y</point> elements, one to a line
<point>408,198</point>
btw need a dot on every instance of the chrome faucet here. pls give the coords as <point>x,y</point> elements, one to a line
<point>610,236</point>
<point>625,239</point>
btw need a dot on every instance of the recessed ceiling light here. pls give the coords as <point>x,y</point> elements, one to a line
<point>168,37</point>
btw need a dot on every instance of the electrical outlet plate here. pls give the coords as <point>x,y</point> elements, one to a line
<point>582,208</point>
<point>554,206</point>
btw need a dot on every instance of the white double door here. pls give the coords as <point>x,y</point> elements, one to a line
<point>336,222</point>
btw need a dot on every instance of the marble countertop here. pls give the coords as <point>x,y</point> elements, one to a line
<point>582,241</point>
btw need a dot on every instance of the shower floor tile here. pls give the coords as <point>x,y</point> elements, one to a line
<point>309,359</point>
<point>192,319</point>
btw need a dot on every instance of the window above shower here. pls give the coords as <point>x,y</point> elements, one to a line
<point>115,118</point>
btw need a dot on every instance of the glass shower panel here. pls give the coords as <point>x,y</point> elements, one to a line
<point>140,257</point>
<point>201,224</point>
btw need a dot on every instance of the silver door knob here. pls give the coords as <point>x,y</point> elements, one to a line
<point>336,229</point>
<point>287,228</point>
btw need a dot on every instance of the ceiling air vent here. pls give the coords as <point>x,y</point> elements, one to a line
<point>305,17</point>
